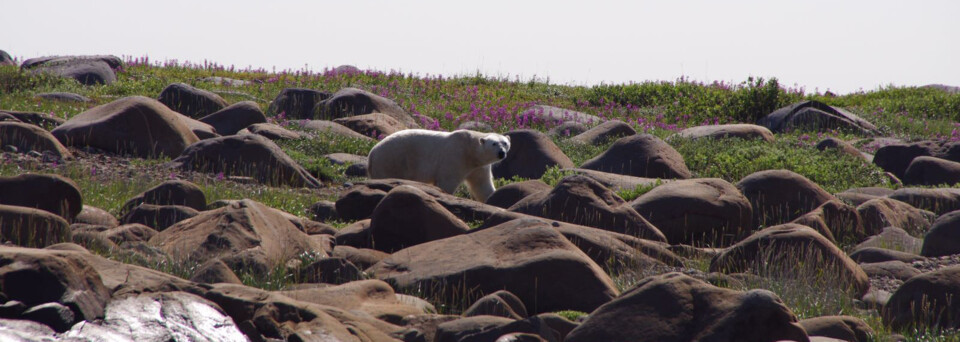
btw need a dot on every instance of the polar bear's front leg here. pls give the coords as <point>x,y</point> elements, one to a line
<point>480,183</point>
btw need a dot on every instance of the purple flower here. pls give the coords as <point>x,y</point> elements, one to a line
<point>220,176</point>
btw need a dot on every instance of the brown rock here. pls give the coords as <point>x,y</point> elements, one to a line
<point>130,233</point>
<point>604,132</point>
<point>697,211</point>
<point>254,228</point>
<point>351,102</point>
<point>52,193</point>
<point>296,103</point>
<point>44,120</point>
<point>374,125</point>
<point>137,125</point>
<point>362,257</point>
<point>845,328</point>
<point>877,254</point>
<point>815,116</point>
<point>834,144</point>
<point>27,137</point>
<point>32,227</point>
<point>836,221</point>
<point>246,155</point>
<point>358,201</point>
<point>857,196</point>
<point>897,157</point>
<point>930,299</point>
<point>373,297</point>
<point>937,200</point>
<point>230,120</point>
<point>741,131</point>
<point>159,217</point>
<point>780,196</point>
<point>531,154</point>
<point>926,170</point>
<point>332,128</point>
<point>516,256</point>
<point>407,216</point>
<point>676,307</point>
<point>510,194</point>
<point>501,303</point>
<point>190,101</point>
<point>613,251</point>
<point>882,212</point>
<point>171,192</point>
<point>618,182</point>
<point>34,277</point>
<point>215,271</point>
<point>775,251</point>
<point>584,201</point>
<point>270,131</point>
<point>641,155</point>
<point>96,216</point>
<point>893,238</point>
<point>890,269</point>
<point>943,237</point>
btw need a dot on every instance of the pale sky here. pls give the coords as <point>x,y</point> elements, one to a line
<point>838,45</point>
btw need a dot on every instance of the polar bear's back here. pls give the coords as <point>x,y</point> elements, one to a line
<point>409,154</point>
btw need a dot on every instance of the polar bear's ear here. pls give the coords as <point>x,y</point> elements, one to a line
<point>508,137</point>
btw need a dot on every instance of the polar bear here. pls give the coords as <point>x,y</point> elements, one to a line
<point>444,159</point>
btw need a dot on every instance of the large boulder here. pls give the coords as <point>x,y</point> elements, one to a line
<point>943,237</point>
<point>882,212</point>
<point>582,200</point>
<point>937,200</point>
<point>158,217</point>
<point>930,299</point>
<point>26,137</point>
<point>500,303</point>
<point>163,316</point>
<point>63,96</point>
<point>857,196</point>
<point>269,316</point>
<point>741,131</point>
<point>893,238</point>
<point>352,101</point>
<point>373,297</point>
<point>137,125</point>
<point>374,125</point>
<point>520,256</point>
<point>926,170</point>
<point>531,154</point>
<point>780,196</point>
<point>95,216</point>
<point>113,62</point>
<point>5,59</point>
<point>835,220</point>
<point>34,277</point>
<point>607,131</point>
<point>815,116</point>
<point>87,71</point>
<point>44,120</point>
<point>30,227</point>
<point>613,251</point>
<point>171,192</point>
<point>232,119</point>
<point>52,193</point>
<point>617,182</point>
<point>845,328</point>
<point>697,211</point>
<point>776,251</point>
<point>896,158</point>
<point>551,114</point>
<point>252,228</point>
<point>331,128</point>
<point>407,216</point>
<point>641,155</point>
<point>675,308</point>
<point>245,155</point>
<point>191,101</point>
<point>512,193</point>
<point>359,201</point>
<point>270,131</point>
<point>296,103</point>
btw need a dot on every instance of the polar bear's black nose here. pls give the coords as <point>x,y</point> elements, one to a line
<point>502,154</point>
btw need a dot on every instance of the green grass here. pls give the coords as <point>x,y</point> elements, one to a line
<point>733,159</point>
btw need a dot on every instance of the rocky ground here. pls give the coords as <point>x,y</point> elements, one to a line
<point>218,222</point>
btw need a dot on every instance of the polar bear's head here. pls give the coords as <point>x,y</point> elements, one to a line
<point>495,147</point>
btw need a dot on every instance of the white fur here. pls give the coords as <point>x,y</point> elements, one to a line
<point>444,159</point>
